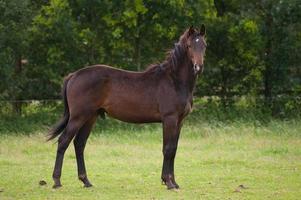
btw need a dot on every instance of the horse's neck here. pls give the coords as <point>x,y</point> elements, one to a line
<point>185,77</point>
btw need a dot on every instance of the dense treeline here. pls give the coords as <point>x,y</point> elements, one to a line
<point>253,45</point>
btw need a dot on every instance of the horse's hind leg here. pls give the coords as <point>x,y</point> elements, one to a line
<point>79,146</point>
<point>63,142</point>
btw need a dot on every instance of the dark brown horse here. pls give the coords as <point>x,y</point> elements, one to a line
<point>162,93</point>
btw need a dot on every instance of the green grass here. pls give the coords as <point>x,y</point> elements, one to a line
<point>124,162</point>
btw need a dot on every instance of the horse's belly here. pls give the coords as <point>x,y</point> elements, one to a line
<point>133,113</point>
<point>134,117</point>
<point>131,101</point>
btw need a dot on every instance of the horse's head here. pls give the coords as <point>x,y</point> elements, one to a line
<point>196,44</point>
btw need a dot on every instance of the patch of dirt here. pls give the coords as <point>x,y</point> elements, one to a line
<point>42,182</point>
<point>240,187</point>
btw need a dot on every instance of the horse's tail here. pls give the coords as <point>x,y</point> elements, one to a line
<point>61,125</point>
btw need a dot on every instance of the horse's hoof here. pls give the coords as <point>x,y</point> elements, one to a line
<point>56,186</point>
<point>176,185</point>
<point>85,180</point>
<point>171,186</point>
<point>87,185</point>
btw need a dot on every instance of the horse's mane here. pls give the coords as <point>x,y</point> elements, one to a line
<point>173,57</point>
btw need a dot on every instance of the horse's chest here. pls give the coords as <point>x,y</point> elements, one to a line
<point>186,106</point>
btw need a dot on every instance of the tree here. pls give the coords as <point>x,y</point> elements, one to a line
<point>253,46</point>
<point>133,34</point>
<point>55,50</point>
<point>15,19</point>
<point>232,53</point>
<point>280,27</point>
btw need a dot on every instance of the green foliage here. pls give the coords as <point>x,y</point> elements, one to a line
<point>55,51</point>
<point>253,46</point>
<point>14,35</point>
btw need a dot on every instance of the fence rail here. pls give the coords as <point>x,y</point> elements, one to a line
<point>290,97</point>
<point>29,100</point>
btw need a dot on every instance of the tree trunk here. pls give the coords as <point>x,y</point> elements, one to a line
<point>268,64</point>
<point>17,104</point>
<point>267,86</point>
<point>220,7</point>
<point>137,51</point>
<point>224,87</point>
<point>137,54</point>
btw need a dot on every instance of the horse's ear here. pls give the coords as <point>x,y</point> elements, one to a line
<point>190,31</point>
<point>203,30</point>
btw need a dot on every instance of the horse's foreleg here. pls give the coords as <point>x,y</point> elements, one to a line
<point>79,146</point>
<point>179,126</point>
<point>63,143</point>
<point>170,143</point>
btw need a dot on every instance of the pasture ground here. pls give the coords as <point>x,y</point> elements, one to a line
<point>212,161</point>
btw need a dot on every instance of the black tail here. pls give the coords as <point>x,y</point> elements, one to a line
<point>61,125</point>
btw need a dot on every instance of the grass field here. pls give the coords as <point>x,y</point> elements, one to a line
<point>124,162</point>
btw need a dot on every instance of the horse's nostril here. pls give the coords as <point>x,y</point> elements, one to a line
<point>196,67</point>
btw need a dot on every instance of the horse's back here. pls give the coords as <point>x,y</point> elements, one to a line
<point>125,95</point>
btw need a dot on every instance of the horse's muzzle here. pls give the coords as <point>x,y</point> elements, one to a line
<point>198,68</point>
